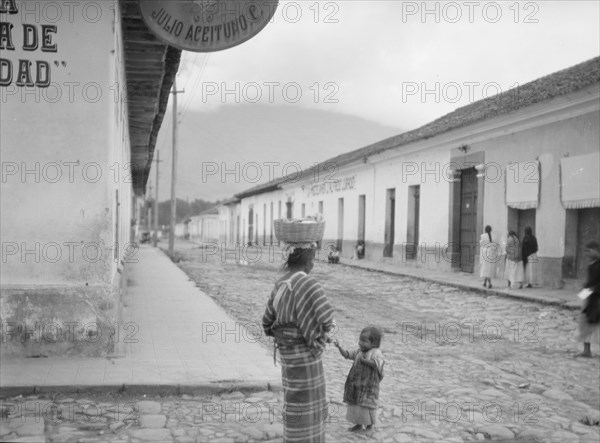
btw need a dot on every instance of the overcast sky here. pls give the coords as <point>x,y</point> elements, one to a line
<point>398,64</point>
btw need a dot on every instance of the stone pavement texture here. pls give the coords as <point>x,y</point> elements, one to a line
<point>461,366</point>
<point>565,297</point>
<point>174,339</point>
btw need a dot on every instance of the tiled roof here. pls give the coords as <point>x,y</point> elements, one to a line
<point>230,201</point>
<point>540,90</point>
<point>211,211</point>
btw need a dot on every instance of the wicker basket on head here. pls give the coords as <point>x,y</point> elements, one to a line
<point>298,231</point>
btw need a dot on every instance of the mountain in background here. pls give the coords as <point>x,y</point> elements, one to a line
<point>243,139</point>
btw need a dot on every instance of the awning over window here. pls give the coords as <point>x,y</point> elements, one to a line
<point>523,184</point>
<point>580,181</point>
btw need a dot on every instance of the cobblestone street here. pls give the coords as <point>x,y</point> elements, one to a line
<point>460,366</point>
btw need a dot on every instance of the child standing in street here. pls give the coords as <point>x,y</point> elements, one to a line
<point>361,391</point>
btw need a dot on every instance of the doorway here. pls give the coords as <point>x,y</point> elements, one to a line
<point>519,219</point>
<point>271,226</point>
<point>250,226</point>
<point>390,222</point>
<point>264,224</point>
<point>361,217</point>
<point>412,235</point>
<point>588,228</point>
<point>468,219</point>
<point>340,236</point>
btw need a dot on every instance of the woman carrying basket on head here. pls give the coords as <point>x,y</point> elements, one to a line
<point>299,317</point>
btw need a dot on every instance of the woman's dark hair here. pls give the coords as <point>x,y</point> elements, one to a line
<point>488,229</point>
<point>528,231</point>
<point>298,258</point>
<point>375,335</point>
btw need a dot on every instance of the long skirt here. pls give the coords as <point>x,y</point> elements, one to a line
<point>588,332</point>
<point>514,271</point>
<point>531,270</point>
<point>487,268</point>
<point>360,415</point>
<point>304,393</point>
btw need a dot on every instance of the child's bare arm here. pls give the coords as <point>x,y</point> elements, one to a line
<point>344,353</point>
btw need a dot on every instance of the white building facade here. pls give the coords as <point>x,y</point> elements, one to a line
<point>77,144</point>
<point>423,198</point>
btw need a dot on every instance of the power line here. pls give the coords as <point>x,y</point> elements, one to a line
<point>194,87</point>
<point>193,64</point>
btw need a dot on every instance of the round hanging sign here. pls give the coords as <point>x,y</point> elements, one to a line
<point>206,25</point>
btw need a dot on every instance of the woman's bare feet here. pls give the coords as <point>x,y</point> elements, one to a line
<point>583,354</point>
<point>370,430</point>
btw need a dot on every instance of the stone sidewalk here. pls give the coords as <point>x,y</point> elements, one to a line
<point>174,339</point>
<point>566,297</point>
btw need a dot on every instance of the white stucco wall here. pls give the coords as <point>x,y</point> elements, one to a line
<point>423,168</point>
<point>66,204</point>
<point>65,147</point>
<point>547,143</point>
<point>565,126</point>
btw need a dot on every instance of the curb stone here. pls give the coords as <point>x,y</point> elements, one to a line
<point>505,294</point>
<point>199,389</point>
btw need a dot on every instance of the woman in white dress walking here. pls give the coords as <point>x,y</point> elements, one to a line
<point>487,257</point>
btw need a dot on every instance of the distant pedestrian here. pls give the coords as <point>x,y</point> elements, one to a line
<point>334,255</point>
<point>361,391</point>
<point>589,319</point>
<point>487,257</point>
<point>359,251</point>
<point>300,318</point>
<point>529,250</point>
<point>514,264</point>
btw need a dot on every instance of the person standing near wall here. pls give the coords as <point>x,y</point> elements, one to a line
<point>529,250</point>
<point>589,319</point>
<point>514,264</point>
<point>487,265</point>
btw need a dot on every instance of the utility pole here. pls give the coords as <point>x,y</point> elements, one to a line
<point>148,208</point>
<point>155,236</point>
<point>174,171</point>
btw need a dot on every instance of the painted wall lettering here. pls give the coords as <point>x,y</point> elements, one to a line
<point>332,186</point>
<point>25,72</point>
<point>8,7</point>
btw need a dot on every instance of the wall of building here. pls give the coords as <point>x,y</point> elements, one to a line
<point>257,202</point>
<point>66,198</point>
<point>428,170</point>
<point>547,144</point>
<point>565,126</point>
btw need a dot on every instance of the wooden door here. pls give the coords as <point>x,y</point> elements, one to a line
<point>390,222</point>
<point>271,226</point>
<point>250,226</point>
<point>412,235</point>
<point>340,238</point>
<point>468,219</point>
<point>361,217</point>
